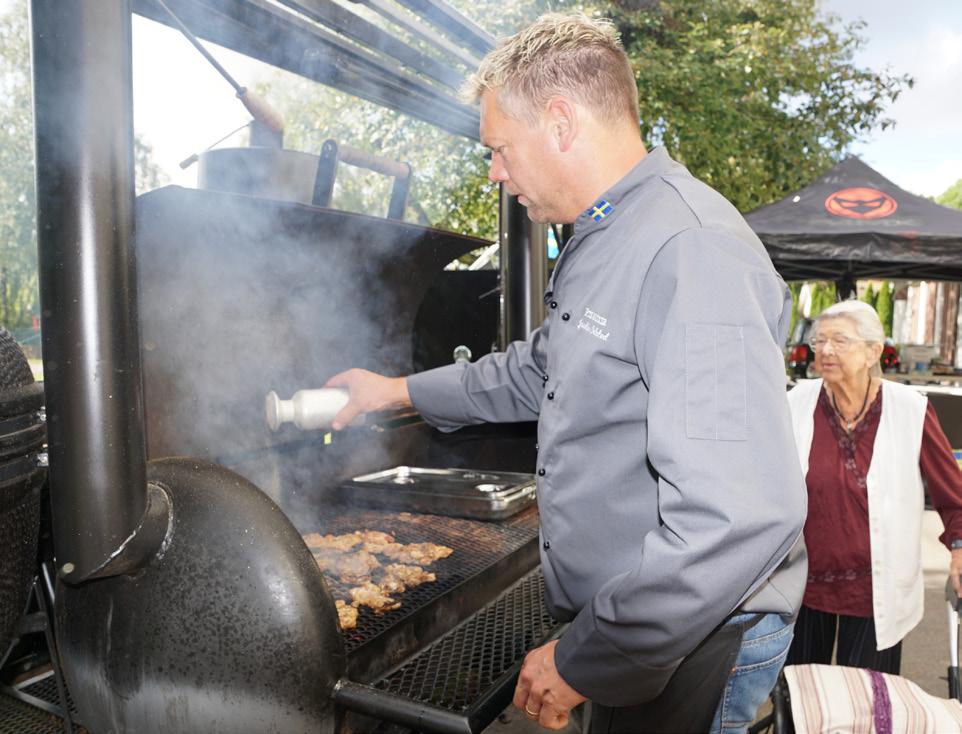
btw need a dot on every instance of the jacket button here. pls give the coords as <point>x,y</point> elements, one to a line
<point>541,472</point>
<point>553,304</point>
<point>546,545</point>
<point>544,378</point>
<point>565,316</point>
<point>550,396</point>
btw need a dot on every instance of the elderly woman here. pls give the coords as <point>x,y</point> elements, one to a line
<point>866,444</point>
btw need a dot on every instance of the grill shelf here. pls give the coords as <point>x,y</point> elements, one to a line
<point>462,681</point>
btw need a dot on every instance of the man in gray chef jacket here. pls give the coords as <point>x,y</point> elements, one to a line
<point>670,493</point>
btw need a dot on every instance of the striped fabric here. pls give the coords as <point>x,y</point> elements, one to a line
<point>833,699</point>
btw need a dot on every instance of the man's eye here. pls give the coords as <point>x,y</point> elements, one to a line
<point>487,155</point>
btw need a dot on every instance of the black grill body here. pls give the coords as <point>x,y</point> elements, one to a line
<point>230,630</point>
<point>21,478</point>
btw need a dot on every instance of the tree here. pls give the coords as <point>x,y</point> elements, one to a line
<point>869,295</point>
<point>885,308</point>
<point>952,196</point>
<point>755,97</point>
<point>450,189</point>
<point>19,297</point>
<point>823,296</point>
<point>18,252</point>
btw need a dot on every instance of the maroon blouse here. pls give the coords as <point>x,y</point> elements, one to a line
<point>837,532</point>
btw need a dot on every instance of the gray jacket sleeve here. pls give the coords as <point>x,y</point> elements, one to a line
<point>502,387</point>
<point>731,498</point>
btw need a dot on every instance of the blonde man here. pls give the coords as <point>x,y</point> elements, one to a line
<point>671,498</point>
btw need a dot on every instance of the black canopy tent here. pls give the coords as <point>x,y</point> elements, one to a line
<point>852,223</point>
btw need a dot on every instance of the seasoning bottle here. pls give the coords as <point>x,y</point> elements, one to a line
<point>307,409</point>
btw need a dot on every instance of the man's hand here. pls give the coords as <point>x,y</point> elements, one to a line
<point>369,392</point>
<point>542,693</point>
<point>955,570</point>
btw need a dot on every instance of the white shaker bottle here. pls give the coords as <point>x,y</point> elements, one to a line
<point>307,409</point>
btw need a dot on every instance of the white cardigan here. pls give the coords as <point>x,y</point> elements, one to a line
<point>895,502</point>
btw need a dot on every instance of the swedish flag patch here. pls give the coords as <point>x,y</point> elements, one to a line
<point>600,210</point>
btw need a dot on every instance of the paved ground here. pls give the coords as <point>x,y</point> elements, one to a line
<point>925,651</point>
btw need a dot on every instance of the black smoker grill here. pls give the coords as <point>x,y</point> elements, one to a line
<point>186,599</point>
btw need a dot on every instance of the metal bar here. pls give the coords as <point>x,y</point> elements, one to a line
<point>252,27</point>
<point>444,16</point>
<point>524,270</point>
<point>83,111</point>
<point>203,51</point>
<point>326,173</point>
<point>413,25</point>
<point>380,704</point>
<point>342,20</point>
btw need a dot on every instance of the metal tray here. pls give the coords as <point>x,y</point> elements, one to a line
<point>482,495</point>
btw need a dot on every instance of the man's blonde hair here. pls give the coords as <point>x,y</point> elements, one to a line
<point>559,54</point>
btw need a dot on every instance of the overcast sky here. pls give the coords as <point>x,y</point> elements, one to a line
<point>923,152</point>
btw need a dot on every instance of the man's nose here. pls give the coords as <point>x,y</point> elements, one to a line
<point>497,172</point>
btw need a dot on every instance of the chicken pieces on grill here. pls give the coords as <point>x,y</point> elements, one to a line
<point>371,595</point>
<point>418,554</point>
<point>398,577</point>
<point>346,614</point>
<point>350,558</point>
<point>350,568</point>
<point>333,542</point>
<point>375,541</point>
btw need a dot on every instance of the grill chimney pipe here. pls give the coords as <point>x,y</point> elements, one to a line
<point>103,521</point>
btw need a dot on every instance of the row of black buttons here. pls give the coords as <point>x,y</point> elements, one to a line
<point>565,316</point>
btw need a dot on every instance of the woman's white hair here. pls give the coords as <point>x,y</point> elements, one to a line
<point>868,326</point>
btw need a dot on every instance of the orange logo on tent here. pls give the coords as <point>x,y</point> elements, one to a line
<point>861,203</point>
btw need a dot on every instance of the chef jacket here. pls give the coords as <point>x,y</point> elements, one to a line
<point>669,487</point>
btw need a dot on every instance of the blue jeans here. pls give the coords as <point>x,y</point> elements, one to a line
<point>760,659</point>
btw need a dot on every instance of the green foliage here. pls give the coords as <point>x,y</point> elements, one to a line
<point>19,295</point>
<point>795,289</point>
<point>450,189</point>
<point>885,307</point>
<point>18,253</point>
<point>823,296</point>
<point>869,295</point>
<point>755,97</point>
<point>952,196</point>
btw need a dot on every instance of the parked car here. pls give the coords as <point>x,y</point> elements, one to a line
<point>800,358</point>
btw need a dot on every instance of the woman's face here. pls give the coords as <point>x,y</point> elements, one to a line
<point>841,355</point>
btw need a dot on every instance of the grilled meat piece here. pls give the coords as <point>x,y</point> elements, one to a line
<point>350,568</point>
<point>346,614</point>
<point>418,554</point>
<point>332,542</point>
<point>375,541</point>
<point>398,577</point>
<point>371,595</point>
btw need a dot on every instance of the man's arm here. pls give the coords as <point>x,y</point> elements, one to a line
<point>499,388</point>
<point>731,497</point>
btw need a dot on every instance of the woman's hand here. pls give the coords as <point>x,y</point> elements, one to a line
<point>955,571</point>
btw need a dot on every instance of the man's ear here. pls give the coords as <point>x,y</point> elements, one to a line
<point>562,122</point>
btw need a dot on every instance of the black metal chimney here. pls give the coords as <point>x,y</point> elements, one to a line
<point>83,114</point>
<point>524,270</point>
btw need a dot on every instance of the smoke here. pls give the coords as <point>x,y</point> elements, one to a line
<point>240,295</point>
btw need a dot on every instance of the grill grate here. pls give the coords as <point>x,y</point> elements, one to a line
<point>477,545</point>
<point>17,717</point>
<point>454,671</point>
<point>46,690</point>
